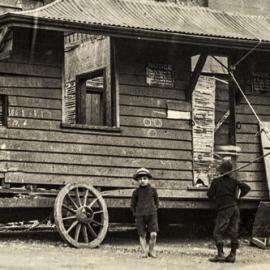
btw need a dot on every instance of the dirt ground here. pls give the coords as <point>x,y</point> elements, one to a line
<point>176,250</point>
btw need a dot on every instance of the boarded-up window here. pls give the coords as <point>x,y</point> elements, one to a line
<point>3,110</point>
<point>91,98</point>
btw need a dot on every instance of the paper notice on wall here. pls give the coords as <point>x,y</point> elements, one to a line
<point>203,114</point>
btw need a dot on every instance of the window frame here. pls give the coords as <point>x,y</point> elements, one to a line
<point>81,92</point>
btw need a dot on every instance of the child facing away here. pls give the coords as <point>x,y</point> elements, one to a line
<point>144,205</point>
<point>224,190</point>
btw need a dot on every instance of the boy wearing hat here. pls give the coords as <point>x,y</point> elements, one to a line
<point>144,205</point>
<point>224,190</point>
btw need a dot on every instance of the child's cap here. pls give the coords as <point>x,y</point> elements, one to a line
<point>140,172</point>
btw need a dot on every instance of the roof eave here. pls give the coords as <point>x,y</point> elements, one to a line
<point>18,20</point>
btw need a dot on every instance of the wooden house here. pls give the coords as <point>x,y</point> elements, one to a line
<point>149,88</point>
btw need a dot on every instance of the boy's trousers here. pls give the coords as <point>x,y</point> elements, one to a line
<point>227,220</point>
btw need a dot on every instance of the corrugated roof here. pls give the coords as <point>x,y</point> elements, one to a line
<point>157,17</point>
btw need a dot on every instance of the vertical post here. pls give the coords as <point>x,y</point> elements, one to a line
<point>114,84</point>
<point>232,104</point>
<point>195,76</point>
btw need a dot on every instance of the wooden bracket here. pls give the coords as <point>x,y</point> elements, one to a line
<point>195,76</point>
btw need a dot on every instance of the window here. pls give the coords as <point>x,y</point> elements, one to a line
<point>3,110</point>
<point>93,99</point>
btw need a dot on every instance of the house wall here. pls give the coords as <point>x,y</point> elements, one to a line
<point>36,149</point>
<point>248,126</point>
<point>166,143</point>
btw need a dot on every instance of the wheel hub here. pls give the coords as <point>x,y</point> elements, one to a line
<point>85,214</point>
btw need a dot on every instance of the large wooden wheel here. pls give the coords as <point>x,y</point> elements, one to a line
<point>81,215</point>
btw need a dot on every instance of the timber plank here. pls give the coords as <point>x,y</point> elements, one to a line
<point>94,160</point>
<point>192,203</point>
<point>156,133</point>
<point>251,119</point>
<point>29,70</point>
<point>180,74</point>
<point>141,111</point>
<point>36,113</point>
<point>176,194</point>
<point>53,93</point>
<point>248,129</point>
<point>126,130</point>
<point>254,167</point>
<point>144,101</point>
<point>152,92</point>
<point>250,148</point>
<point>139,68</point>
<point>51,179</point>
<point>28,202</point>
<point>247,157</point>
<point>122,203</point>
<point>30,82</point>
<point>251,176</point>
<point>155,123</point>
<point>35,102</point>
<point>33,124</point>
<point>64,169</point>
<point>150,112</point>
<point>129,79</point>
<point>256,99</point>
<point>107,150</point>
<point>260,109</point>
<point>247,138</point>
<point>94,138</point>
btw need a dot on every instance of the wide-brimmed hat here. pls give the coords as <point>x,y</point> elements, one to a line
<point>140,172</point>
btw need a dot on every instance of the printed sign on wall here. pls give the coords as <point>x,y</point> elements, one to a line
<point>159,75</point>
<point>203,106</point>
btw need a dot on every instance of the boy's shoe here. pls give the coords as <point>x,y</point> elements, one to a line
<point>218,258</point>
<point>152,254</point>
<point>230,258</point>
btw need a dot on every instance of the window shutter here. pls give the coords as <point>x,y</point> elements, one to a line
<point>3,110</point>
<point>70,102</point>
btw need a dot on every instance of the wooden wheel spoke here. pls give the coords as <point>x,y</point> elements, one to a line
<point>72,226</point>
<point>69,209</point>
<point>77,232</point>
<point>72,201</point>
<point>92,203</point>
<point>81,215</point>
<point>96,222</point>
<point>78,197</point>
<point>98,212</point>
<point>84,233</point>
<point>85,197</point>
<point>91,230</point>
<point>69,218</point>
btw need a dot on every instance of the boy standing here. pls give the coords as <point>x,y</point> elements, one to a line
<point>144,205</point>
<point>224,190</point>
